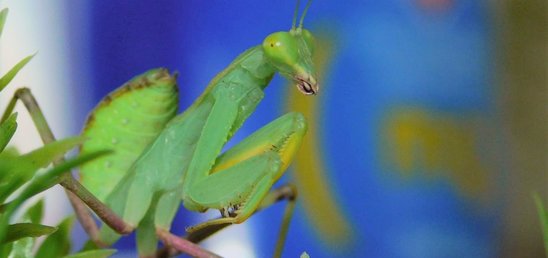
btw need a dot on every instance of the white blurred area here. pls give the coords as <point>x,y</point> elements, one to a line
<point>38,27</point>
<point>234,241</point>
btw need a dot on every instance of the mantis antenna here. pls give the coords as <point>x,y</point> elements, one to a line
<point>293,28</point>
<point>304,13</point>
<point>295,15</point>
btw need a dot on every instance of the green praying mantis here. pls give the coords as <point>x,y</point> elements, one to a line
<point>161,158</point>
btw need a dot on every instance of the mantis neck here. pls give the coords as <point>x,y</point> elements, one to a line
<point>258,69</point>
<point>249,69</point>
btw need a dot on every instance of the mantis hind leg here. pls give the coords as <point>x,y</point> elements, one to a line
<point>289,193</point>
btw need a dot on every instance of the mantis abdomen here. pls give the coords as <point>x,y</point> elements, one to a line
<point>126,121</point>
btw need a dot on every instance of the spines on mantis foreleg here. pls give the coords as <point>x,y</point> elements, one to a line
<point>127,120</point>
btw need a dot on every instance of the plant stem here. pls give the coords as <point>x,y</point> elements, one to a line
<point>104,212</point>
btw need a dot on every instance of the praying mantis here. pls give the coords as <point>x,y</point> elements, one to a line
<point>162,159</point>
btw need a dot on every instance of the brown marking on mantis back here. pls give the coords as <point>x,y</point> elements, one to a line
<point>142,83</point>
<point>89,121</point>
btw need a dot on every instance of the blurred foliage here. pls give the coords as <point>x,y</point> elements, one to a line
<point>102,253</point>
<point>21,177</point>
<point>543,215</point>
<point>57,244</point>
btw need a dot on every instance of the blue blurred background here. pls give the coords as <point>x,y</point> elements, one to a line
<point>422,141</point>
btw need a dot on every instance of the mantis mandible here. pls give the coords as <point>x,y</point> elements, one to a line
<point>162,158</point>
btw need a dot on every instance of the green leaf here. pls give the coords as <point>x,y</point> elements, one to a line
<point>15,171</point>
<point>43,182</point>
<point>3,16</point>
<point>89,245</point>
<point>100,253</point>
<point>7,129</point>
<point>543,215</point>
<point>52,177</point>
<point>6,79</point>
<point>42,157</point>
<point>58,243</point>
<point>21,230</point>
<point>3,227</point>
<point>22,248</point>
<point>35,212</point>
<point>5,249</point>
<point>49,179</point>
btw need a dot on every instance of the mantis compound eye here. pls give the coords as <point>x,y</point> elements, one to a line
<point>281,49</point>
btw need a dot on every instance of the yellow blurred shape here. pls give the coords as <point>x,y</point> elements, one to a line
<point>437,145</point>
<point>310,175</point>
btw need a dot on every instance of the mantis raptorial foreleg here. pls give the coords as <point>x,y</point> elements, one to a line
<point>253,166</point>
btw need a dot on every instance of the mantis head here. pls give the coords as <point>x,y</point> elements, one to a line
<point>290,52</point>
